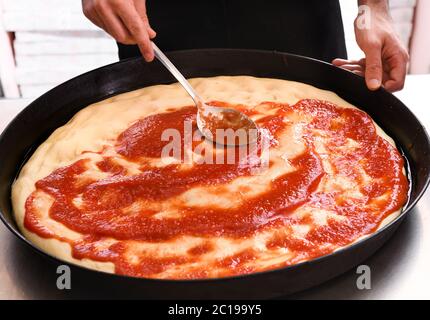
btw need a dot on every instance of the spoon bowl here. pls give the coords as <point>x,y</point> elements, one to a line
<point>224,126</point>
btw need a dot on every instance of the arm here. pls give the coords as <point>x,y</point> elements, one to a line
<point>386,58</point>
<point>124,20</point>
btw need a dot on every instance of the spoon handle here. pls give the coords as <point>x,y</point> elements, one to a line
<point>175,72</point>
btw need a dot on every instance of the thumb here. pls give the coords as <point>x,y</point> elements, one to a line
<point>374,70</point>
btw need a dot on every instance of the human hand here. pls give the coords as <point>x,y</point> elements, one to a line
<point>386,58</point>
<point>125,20</point>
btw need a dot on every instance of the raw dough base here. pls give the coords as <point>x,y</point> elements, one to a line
<point>87,130</point>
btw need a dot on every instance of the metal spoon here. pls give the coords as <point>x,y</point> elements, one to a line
<point>209,118</point>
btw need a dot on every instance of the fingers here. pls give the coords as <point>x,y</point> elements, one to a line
<point>374,69</point>
<point>394,69</point>
<point>137,28</point>
<point>355,66</point>
<point>152,33</point>
<point>125,20</point>
<point>358,70</point>
<point>141,10</point>
<point>352,67</point>
<point>92,15</point>
<point>397,72</point>
<point>113,24</point>
<point>340,62</point>
<point>359,73</point>
<point>387,66</point>
<point>393,85</point>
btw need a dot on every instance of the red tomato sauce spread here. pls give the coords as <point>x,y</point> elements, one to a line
<point>102,215</point>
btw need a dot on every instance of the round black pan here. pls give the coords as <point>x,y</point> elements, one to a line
<point>56,107</point>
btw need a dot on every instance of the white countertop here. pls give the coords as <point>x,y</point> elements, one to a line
<point>400,270</point>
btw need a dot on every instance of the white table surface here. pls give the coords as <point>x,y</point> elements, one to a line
<point>400,269</point>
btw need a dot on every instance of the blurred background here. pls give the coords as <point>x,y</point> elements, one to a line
<point>45,42</point>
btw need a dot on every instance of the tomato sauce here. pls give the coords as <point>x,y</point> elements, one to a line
<point>104,212</point>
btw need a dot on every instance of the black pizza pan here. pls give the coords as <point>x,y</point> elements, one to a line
<point>53,109</point>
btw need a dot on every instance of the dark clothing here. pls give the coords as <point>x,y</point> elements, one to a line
<point>307,27</point>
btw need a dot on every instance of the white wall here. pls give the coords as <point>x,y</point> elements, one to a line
<point>53,43</point>
<point>420,45</point>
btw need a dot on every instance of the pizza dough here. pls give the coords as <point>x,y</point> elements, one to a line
<point>94,134</point>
